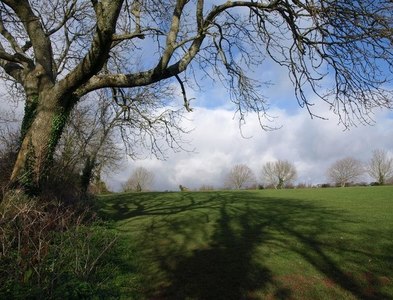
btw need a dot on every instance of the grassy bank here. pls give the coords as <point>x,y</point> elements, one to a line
<point>269,244</point>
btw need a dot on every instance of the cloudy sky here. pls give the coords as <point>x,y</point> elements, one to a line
<point>311,144</point>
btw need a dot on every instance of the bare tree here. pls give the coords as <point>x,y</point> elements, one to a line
<point>380,166</point>
<point>140,180</point>
<point>60,50</point>
<point>240,176</point>
<point>279,173</point>
<point>88,145</point>
<point>345,170</point>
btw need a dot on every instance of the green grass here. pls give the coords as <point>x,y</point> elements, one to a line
<point>285,244</point>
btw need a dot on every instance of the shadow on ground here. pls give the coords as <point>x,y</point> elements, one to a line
<point>209,246</point>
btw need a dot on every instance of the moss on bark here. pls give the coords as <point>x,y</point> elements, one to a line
<point>29,115</point>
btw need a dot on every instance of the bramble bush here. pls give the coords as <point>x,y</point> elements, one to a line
<point>51,250</point>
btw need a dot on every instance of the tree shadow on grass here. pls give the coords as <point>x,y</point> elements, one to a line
<point>128,206</point>
<point>233,227</point>
<point>226,269</point>
<point>317,234</point>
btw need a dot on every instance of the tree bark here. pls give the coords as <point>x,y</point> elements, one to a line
<point>87,173</point>
<point>41,130</point>
<point>49,101</point>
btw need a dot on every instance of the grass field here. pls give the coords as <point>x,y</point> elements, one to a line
<point>334,243</point>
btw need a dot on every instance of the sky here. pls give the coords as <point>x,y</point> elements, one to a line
<point>218,144</point>
<point>312,145</point>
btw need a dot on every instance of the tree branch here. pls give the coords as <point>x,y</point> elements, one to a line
<point>70,11</point>
<point>107,13</point>
<point>171,36</point>
<point>11,65</point>
<point>183,91</point>
<point>162,71</point>
<point>4,32</point>
<point>40,42</point>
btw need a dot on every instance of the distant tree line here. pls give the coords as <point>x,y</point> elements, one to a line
<point>278,174</point>
<point>282,173</point>
<point>348,170</point>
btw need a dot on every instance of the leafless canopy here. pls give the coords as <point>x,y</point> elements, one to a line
<point>140,180</point>
<point>87,45</point>
<point>380,166</point>
<point>89,137</point>
<point>240,176</point>
<point>57,51</point>
<point>345,171</point>
<point>279,173</point>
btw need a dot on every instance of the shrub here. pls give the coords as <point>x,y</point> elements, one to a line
<point>304,185</point>
<point>98,187</point>
<point>9,144</point>
<point>289,186</point>
<point>183,188</point>
<point>206,187</point>
<point>50,250</point>
<point>62,186</point>
<point>325,185</point>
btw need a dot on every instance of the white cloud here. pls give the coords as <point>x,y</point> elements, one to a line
<point>312,145</point>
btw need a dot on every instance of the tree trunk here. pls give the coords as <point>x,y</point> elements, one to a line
<point>45,118</point>
<point>381,179</point>
<point>87,173</point>
<point>280,183</point>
